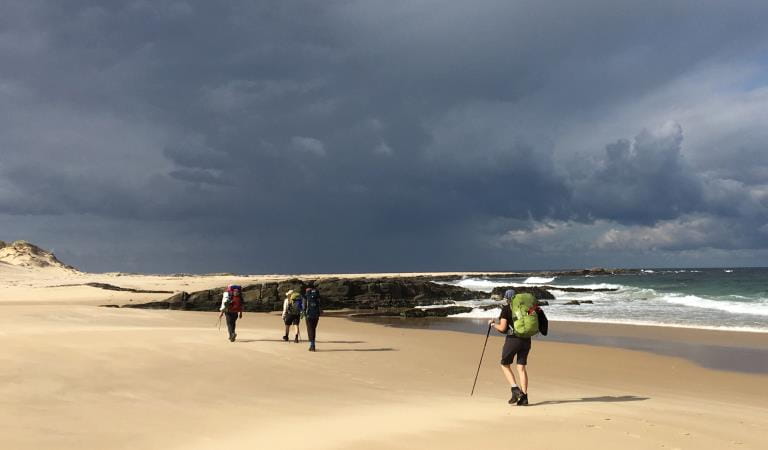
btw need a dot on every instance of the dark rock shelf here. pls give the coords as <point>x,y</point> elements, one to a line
<point>391,295</point>
<point>335,293</point>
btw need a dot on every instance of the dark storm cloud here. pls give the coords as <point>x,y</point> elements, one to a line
<point>641,181</point>
<point>383,135</point>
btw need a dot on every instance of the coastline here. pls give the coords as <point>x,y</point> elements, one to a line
<point>79,376</point>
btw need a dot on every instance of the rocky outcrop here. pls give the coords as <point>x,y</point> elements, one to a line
<point>389,296</point>
<point>539,292</point>
<point>542,292</point>
<point>435,312</point>
<point>337,293</point>
<point>112,287</point>
<point>578,302</point>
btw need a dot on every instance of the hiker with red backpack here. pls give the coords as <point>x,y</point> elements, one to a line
<point>232,307</point>
<point>520,319</point>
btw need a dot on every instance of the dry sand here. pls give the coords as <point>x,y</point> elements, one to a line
<point>76,376</point>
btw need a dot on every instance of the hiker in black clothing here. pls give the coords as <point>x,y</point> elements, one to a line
<point>514,346</point>
<point>232,308</point>
<point>312,312</point>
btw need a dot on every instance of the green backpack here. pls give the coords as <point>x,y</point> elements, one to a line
<point>526,321</point>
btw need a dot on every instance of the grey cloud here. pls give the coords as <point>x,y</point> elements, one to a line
<point>201,176</point>
<point>641,181</point>
<point>192,152</point>
<point>686,233</point>
<point>308,145</point>
<point>401,135</point>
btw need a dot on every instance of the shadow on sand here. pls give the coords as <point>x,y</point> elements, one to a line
<point>386,349</point>
<point>320,343</point>
<point>604,399</point>
<point>303,341</point>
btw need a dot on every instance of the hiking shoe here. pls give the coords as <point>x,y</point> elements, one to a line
<point>285,338</point>
<point>234,336</point>
<point>296,339</point>
<point>523,400</point>
<point>516,394</point>
<point>231,338</point>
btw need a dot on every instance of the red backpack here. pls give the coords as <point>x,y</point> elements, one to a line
<point>235,302</point>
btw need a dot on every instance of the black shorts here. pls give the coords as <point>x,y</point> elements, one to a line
<point>291,319</point>
<point>514,345</point>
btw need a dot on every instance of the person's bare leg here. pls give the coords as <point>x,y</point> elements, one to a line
<point>287,330</point>
<point>523,373</point>
<point>507,370</point>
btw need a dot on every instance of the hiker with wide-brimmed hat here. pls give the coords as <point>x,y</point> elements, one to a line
<point>292,309</point>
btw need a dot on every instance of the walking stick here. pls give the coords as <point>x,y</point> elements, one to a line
<point>481,360</point>
<point>219,322</point>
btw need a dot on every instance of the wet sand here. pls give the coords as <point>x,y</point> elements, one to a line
<point>713,349</point>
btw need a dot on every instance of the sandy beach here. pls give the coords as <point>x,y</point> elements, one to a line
<point>78,376</point>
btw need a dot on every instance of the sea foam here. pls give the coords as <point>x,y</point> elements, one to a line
<point>538,280</point>
<point>587,286</point>
<point>478,284</point>
<point>479,314</point>
<point>752,308</point>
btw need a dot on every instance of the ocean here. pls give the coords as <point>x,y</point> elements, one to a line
<point>727,298</point>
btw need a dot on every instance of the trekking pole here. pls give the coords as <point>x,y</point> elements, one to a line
<point>219,322</point>
<point>481,360</point>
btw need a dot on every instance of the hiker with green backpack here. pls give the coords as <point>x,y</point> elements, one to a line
<point>520,319</point>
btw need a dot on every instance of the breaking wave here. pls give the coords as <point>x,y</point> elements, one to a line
<point>751,308</point>
<point>678,297</point>
<point>479,284</point>
<point>538,280</point>
<point>588,286</point>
